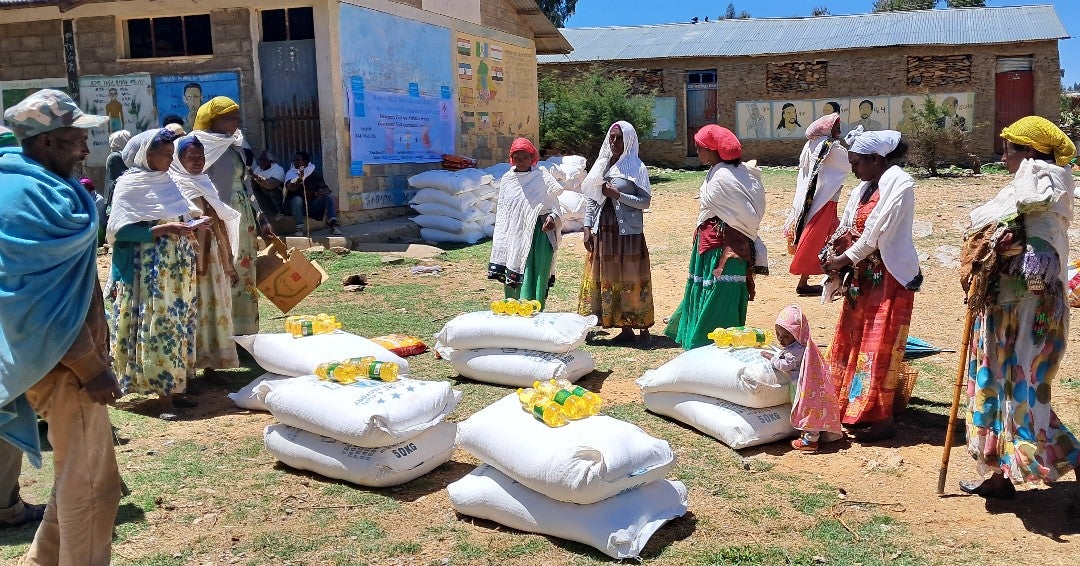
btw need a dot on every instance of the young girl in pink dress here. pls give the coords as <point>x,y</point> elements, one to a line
<point>815,409</point>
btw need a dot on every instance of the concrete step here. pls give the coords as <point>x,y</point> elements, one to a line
<point>391,236</point>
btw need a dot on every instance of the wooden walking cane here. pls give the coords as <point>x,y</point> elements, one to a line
<point>961,374</point>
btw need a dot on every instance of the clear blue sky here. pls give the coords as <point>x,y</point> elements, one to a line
<point>637,12</point>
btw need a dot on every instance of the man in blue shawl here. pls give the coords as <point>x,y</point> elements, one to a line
<point>54,343</point>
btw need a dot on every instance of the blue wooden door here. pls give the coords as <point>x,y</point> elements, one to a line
<point>290,99</point>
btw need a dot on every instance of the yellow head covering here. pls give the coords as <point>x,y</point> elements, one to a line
<point>213,108</point>
<point>1042,136</point>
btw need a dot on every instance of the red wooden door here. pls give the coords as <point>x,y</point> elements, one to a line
<point>700,111</point>
<point>1014,95</point>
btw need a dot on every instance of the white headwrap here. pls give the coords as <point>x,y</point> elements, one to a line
<point>215,145</point>
<point>195,186</point>
<point>117,140</point>
<point>142,195</point>
<point>879,142</point>
<point>293,173</point>
<point>629,165</point>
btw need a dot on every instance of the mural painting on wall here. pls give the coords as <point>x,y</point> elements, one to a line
<point>663,118</point>
<point>11,92</point>
<point>496,87</point>
<point>399,96</point>
<point>787,119</point>
<point>127,101</point>
<point>182,95</point>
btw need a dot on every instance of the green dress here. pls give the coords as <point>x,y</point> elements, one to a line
<point>152,317</point>
<point>709,303</point>
<point>537,278</point>
<point>245,295</point>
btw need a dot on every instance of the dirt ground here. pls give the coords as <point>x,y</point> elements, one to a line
<point>895,478</point>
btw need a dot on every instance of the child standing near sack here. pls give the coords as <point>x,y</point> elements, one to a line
<point>815,409</point>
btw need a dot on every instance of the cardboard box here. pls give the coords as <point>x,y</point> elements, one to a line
<point>286,276</point>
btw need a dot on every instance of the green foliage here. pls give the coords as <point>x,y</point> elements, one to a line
<point>903,5</point>
<point>1070,111</point>
<point>929,143</point>
<point>557,10</point>
<point>966,3</point>
<point>576,111</point>
<point>820,11</point>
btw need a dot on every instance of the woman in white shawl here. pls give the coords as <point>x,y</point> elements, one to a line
<point>823,166</point>
<point>727,249</point>
<point>617,284</point>
<point>1021,327</point>
<point>873,265</point>
<point>153,313</point>
<point>527,227</point>
<point>214,346</point>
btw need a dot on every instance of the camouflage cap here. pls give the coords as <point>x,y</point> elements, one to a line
<point>47,110</point>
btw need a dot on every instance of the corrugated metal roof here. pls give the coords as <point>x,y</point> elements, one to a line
<point>774,36</point>
<point>548,38</point>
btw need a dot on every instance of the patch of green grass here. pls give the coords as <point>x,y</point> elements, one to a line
<point>284,545</point>
<point>466,550</point>
<point>745,555</point>
<point>402,547</point>
<point>366,530</point>
<point>158,559</point>
<point>532,545</point>
<point>810,502</point>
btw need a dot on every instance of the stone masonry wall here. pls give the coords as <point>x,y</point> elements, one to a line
<point>797,76</point>
<point>31,50</point>
<point>854,73</point>
<point>935,70</point>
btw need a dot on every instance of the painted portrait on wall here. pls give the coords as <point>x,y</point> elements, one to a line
<point>790,119</point>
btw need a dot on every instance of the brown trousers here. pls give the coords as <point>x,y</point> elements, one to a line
<point>11,505</point>
<point>78,524</point>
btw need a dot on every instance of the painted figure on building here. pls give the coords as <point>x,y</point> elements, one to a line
<point>755,124</point>
<point>951,119</point>
<point>866,110</point>
<point>907,117</point>
<point>115,111</point>
<point>193,99</point>
<point>788,126</point>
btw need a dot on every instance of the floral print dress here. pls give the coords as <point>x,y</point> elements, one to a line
<point>152,321</point>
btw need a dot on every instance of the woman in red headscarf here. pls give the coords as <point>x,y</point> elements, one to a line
<point>527,227</point>
<point>721,277</point>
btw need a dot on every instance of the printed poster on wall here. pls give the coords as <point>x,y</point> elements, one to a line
<point>663,118</point>
<point>496,84</point>
<point>393,127</point>
<point>787,119</point>
<point>12,92</point>
<point>125,99</point>
<point>182,95</point>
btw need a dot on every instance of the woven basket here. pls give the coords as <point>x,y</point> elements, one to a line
<point>905,384</point>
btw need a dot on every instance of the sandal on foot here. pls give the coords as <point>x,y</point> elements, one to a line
<point>803,446</point>
<point>30,514</point>
<point>1004,490</point>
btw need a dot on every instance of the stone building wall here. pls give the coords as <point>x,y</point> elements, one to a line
<point>31,50</point>
<point>850,74</point>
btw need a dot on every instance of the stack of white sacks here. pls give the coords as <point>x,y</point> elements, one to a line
<point>517,351</point>
<point>598,481</point>
<point>734,395</point>
<point>369,433</point>
<point>454,206</point>
<point>569,171</point>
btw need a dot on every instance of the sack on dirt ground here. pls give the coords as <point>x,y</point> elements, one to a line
<point>452,182</point>
<point>519,368</point>
<point>366,413</point>
<point>246,398</point>
<point>463,201</point>
<point>571,206</point>
<point>546,332</point>
<point>734,425</point>
<point>583,462</point>
<point>444,223</point>
<point>436,209</point>
<point>474,233</point>
<point>372,467</point>
<point>619,526</point>
<point>739,375</point>
<point>285,355</point>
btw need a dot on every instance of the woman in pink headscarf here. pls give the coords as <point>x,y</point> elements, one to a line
<point>721,275</point>
<point>823,166</point>
<point>815,409</point>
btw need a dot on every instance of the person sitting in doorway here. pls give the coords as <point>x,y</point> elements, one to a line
<point>305,189</point>
<point>268,178</point>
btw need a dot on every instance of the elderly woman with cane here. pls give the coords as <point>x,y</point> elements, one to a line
<point>873,266</point>
<point>1015,275</point>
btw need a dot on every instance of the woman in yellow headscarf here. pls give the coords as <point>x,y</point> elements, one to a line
<point>1021,325</point>
<point>217,127</point>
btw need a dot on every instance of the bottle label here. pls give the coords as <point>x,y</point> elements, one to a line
<point>331,368</point>
<point>760,335</point>
<point>579,391</point>
<point>375,370</point>
<point>306,328</point>
<point>538,412</point>
<point>561,396</point>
